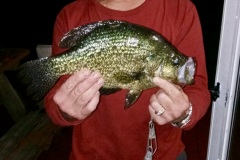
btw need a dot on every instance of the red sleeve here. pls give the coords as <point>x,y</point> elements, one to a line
<point>190,42</point>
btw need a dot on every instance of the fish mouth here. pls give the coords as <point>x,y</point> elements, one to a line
<point>186,72</point>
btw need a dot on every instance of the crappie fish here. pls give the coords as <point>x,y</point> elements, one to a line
<point>127,55</point>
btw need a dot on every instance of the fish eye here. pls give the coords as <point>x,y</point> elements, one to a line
<point>175,61</point>
<point>150,57</point>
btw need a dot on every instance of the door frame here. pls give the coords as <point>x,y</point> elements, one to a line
<point>227,76</point>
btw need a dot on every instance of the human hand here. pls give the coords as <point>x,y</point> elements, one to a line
<point>79,94</point>
<point>171,99</point>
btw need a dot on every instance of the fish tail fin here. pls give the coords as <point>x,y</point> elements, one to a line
<point>38,77</point>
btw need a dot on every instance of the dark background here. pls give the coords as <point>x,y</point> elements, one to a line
<point>27,23</point>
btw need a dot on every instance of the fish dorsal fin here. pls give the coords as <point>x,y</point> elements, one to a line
<point>75,35</point>
<point>131,97</point>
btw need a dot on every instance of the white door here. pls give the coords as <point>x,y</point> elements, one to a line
<point>225,112</point>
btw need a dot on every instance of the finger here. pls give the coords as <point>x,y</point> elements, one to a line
<point>160,114</point>
<point>169,88</point>
<point>89,93</point>
<point>174,107</point>
<point>83,86</point>
<point>159,119</point>
<point>163,98</point>
<point>69,84</point>
<point>91,106</point>
<point>155,104</point>
<point>73,105</point>
<point>75,79</point>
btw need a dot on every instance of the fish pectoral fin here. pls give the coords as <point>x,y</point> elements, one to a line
<point>131,97</point>
<point>125,78</point>
<point>106,91</point>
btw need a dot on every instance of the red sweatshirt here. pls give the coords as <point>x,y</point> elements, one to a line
<point>111,132</point>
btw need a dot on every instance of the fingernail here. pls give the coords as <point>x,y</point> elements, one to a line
<point>96,74</point>
<point>100,81</point>
<point>86,72</point>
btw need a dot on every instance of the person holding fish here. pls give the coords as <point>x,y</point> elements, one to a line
<point>132,84</point>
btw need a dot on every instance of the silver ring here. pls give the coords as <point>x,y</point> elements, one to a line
<point>160,112</point>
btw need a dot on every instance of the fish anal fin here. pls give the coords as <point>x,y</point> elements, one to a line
<point>131,97</point>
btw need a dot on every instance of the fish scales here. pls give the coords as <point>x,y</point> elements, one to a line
<point>127,55</point>
<point>105,42</point>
